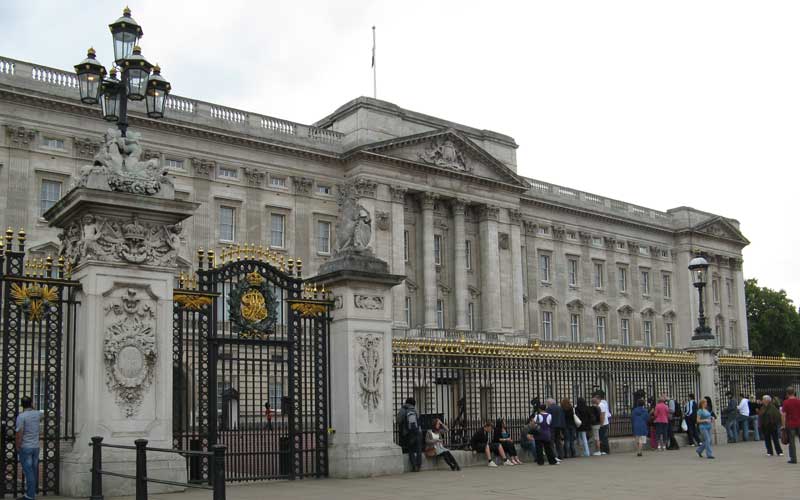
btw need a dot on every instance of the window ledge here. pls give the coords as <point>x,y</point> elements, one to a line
<point>545,283</point>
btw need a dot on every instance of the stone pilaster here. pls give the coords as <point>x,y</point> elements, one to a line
<point>398,258</point>
<point>742,341</point>
<point>490,269</point>
<point>460,263</point>
<point>20,173</point>
<point>516,270</point>
<point>427,200</point>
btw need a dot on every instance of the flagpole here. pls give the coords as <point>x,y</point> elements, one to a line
<point>374,68</point>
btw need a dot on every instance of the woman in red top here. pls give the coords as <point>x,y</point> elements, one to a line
<point>791,421</point>
<point>661,414</point>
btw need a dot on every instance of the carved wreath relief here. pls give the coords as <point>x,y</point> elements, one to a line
<point>370,372</point>
<point>129,349</point>
<point>372,302</point>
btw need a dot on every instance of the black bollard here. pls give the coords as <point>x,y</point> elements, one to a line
<point>97,462</point>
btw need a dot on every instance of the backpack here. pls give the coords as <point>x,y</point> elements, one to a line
<point>543,432</point>
<point>412,424</point>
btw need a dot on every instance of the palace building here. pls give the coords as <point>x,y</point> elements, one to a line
<point>483,248</point>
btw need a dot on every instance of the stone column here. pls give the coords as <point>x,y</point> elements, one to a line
<point>398,257</point>
<point>123,248</point>
<point>516,270</point>
<point>15,210</point>
<point>742,342</point>
<point>460,263</point>
<point>708,368</point>
<point>490,269</point>
<point>427,201</point>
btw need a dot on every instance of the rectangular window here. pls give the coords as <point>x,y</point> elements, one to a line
<point>323,189</point>
<point>468,253</point>
<point>471,316</point>
<point>645,283</point>
<point>408,311</point>
<point>601,330</point>
<point>228,172</point>
<point>597,241</point>
<point>547,325</point>
<point>541,230</point>
<point>729,291</point>
<point>665,253</point>
<point>173,164</point>
<point>324,237</point>
<point>405,246</point>
<point>599,279</point>
<point>621,245</point>
<point>575,327</point>
<point>625,331</point>
<point>544,267</point>
<point>49,194</point>
<point>644,250</point>
<point>669,339</point>
<point>571,235</point>
<point>437,249</point>
<point>53,143</point>
<point>715,290</point>
<point>277,230</point>
<point>648,333</point>
<point>439,314</point>
<point>667,285</point>
<point>227,223</point>
<point>732,327</point>
<point>572,272</point>
<point>623,279</point>
<point>278,182</point>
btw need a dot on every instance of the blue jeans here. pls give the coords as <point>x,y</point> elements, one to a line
<point>754,426</point>
<point>29,459</point>
<point>705,432</point>
<point>744,424</point>
<point>732,428</point>
<point>530,445</point>
<point>583,442</point>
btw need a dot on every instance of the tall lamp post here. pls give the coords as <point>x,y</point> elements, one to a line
<point>140,79</point>
<point>699,268</point>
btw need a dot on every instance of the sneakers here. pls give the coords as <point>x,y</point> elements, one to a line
<point>769,454</point>
<point>639,454</point>
<point>603,453</point>
<point>780,454</point>
<point>508,462</point>
<point>597,453</point>
<point>492,464</point>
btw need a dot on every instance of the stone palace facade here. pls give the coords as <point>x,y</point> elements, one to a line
<point>483,248</point>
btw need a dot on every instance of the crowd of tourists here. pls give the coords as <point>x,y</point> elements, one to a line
<point>559,430</point>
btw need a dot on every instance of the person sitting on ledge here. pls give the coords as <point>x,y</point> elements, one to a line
<point>435,447</point>
<point>502,437</point>
<point>481,442</point>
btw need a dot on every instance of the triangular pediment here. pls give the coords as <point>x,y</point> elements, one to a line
<point>720,227</point>
<point>449,151</point>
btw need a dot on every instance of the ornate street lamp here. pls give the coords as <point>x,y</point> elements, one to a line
<point>136,82</point>
<point>699,268</point>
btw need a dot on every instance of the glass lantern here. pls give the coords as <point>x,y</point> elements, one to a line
<point>138,70</point>
<point>110,97</point>
<point>126,34</point>
<point>699,268</point>
<point>90,76</point>
<point>157,91</point>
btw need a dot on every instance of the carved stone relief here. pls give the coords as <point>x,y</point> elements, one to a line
<point>382,220</point>
<point>203,167</point>
<point>365,187</point>
<point>371,302</point>
<point>354,225</point>
<point>129,349</point>
<point>503,241</point>
<point>120,240</point>
<point>398,194</point>
<point>20,137</point>
<point>85,148</point>
<point>370,372</point>
<point>442,152</point>
<point>254,176</point>
<point>302,185</point>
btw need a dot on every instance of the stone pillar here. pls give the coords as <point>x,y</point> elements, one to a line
<point>398,254</point>
<point>490,269</point>
<point>742,342</point>
<point>516,271</point>
<point>427,201</point>
<point>708,368</point>
<point>123,248</point>
<point>16,208</point>
<point>460,263</point>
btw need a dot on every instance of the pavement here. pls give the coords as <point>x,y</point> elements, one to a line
<point>740,471</point>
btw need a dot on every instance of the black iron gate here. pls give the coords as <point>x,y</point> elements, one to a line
<point>38,311</point>
<point>250,367</point>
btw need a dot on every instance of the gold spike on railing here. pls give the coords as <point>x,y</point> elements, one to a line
<point>212,262</point>
<point>61,266</point>
<point>200,255</point>
<point>48,266</point>
<point>9,237</point>
<point>290,266</point>
<point>21,240</point>
<point>299,268</point>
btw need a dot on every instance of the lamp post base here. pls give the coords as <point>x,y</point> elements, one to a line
<point>702,333</point>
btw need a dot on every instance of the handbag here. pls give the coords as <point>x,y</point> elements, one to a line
<point>430,452</point>
<point>577,420</point>
<point>684,425</point>
<point>785,436</point>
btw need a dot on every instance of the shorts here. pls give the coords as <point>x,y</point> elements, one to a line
<point>596,432</point>
<point>641,439</point>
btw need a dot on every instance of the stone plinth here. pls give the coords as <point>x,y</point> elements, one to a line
<point>123,251</point>
<point>361,368</point>
<point>707,352</point>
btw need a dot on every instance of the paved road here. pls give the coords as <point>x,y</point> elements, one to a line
<point>740,471</point>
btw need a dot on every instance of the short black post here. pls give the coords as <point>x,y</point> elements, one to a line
<point>219,471</point>
<point>141,469</point>
<point>97,463</point>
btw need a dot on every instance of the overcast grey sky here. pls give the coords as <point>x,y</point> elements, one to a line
<point>660,104</point>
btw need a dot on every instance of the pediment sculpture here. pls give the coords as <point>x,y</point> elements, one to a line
<point>119,166</point>
<point>443,152</point>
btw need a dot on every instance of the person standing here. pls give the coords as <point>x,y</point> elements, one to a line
<point>268,413</point>
<point>791,421</point>
<point>570,428</point>
<point>691,421</point>
<point>704,423</point>
<point>27,440</point>
<point>433,440</point>
<point>755,407</point>
<point>743,419</point>
<point>543,436</point>
<point>730,417</point>
<point>640,419</point>
<point>769,416</point>
<point>597,422</point>
<point>584,412</point>
<point>410,433</point>
<point>605,423</point>
<point>661,419</point>
<point>559,427</point>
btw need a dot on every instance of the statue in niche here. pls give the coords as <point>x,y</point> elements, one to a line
<point>354,227</point>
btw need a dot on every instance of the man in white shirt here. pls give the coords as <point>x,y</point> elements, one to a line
<point>744,416</point>
<point>605,422</point>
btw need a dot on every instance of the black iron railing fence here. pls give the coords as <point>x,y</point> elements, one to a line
<point>467,382</point>
<point>756,376</point>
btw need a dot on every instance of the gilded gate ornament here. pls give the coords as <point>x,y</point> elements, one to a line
<point>35,299</point>
<point>253,307</point>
